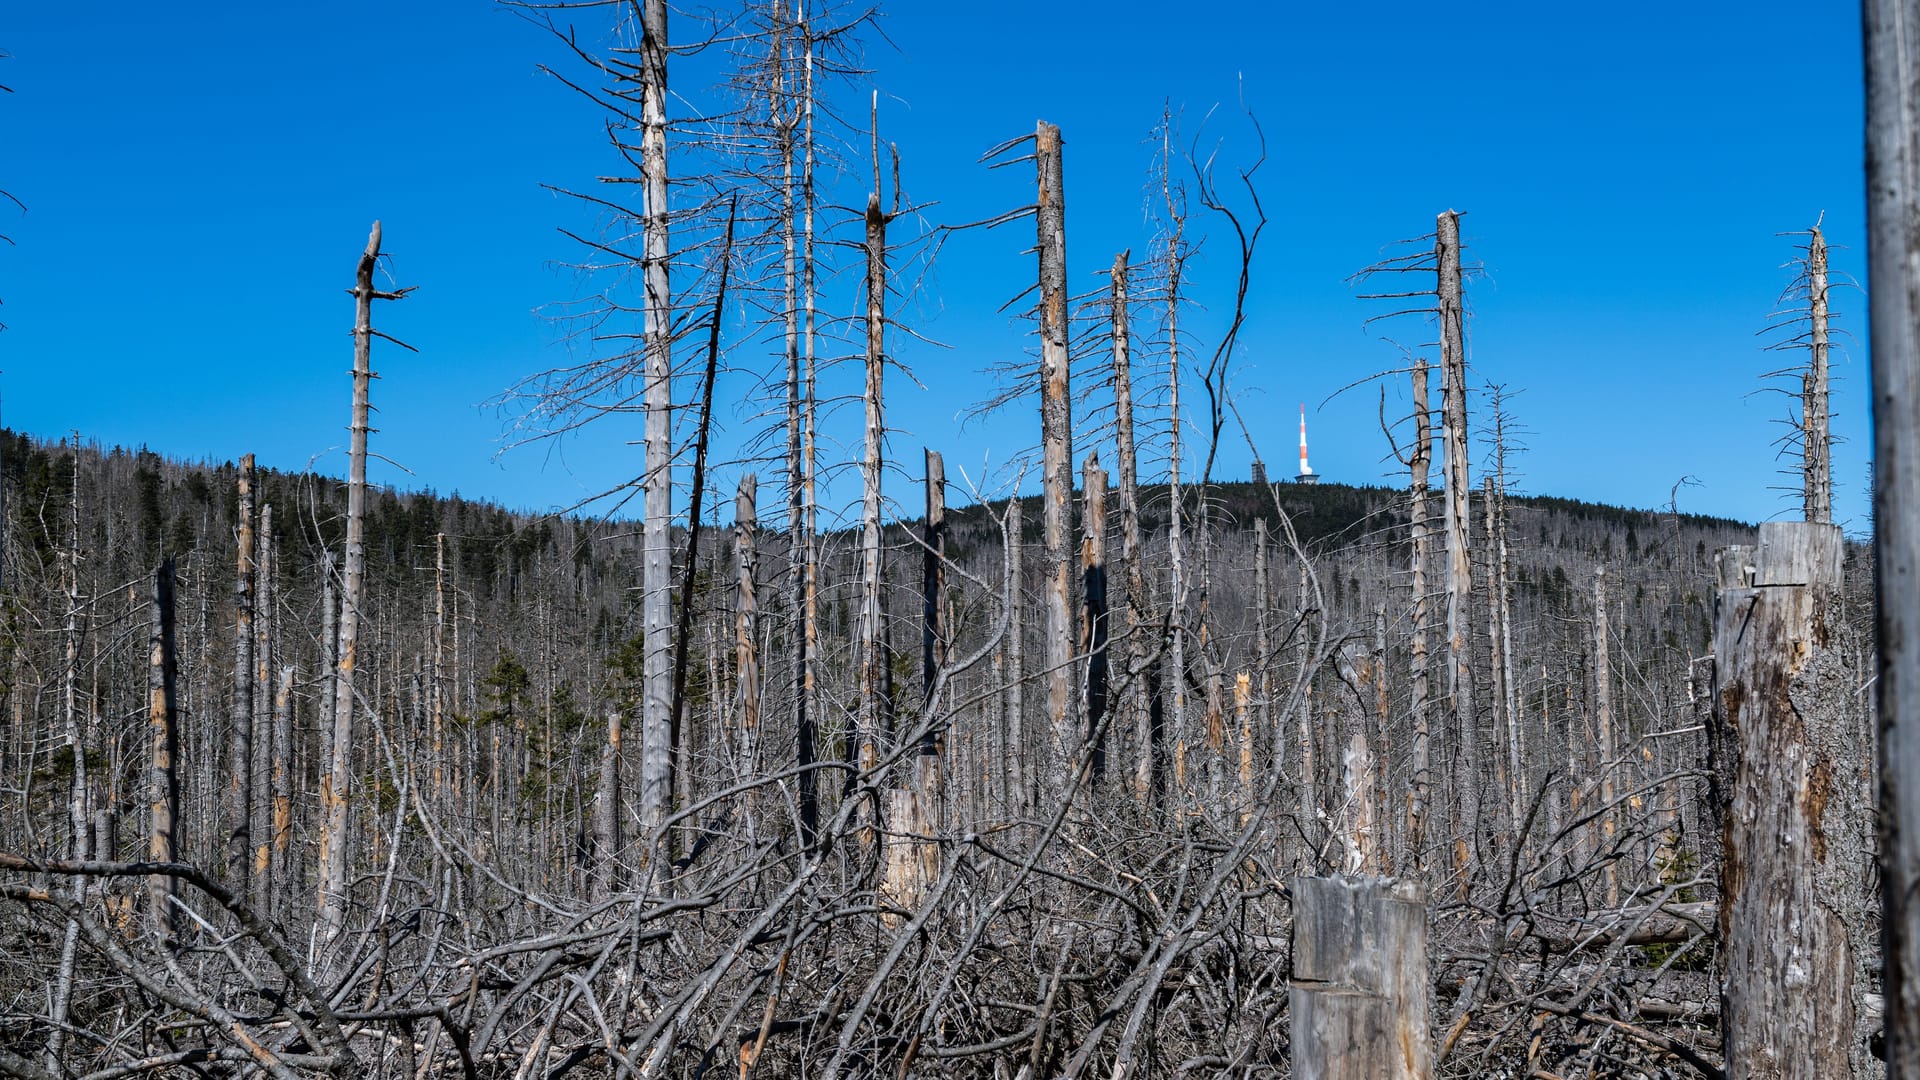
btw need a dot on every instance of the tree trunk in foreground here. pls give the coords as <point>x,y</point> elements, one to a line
<point>1892,47</point>
<point>1797,829</point>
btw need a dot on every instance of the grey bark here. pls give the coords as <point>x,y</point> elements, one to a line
<point>1056,450</point>
<point>656,600</point>
<point>1453,368</point>
<point>237,846</point>
<point>1816,422</point>
<point>1891,42</point>
<point>163,782</point>
<point>1419,772</point>
<point>1798,827</point>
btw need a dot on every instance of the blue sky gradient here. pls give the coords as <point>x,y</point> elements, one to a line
<point>199,182</point>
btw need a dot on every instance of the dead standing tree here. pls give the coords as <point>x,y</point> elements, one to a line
<point>238,843</point>
<point>1056,452</point>
<point>1453,438</point>
<point>336,778</point>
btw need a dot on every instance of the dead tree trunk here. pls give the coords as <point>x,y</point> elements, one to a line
<point>606,811</point>
<point>1798,827</point>
<point>1016,741</point>
<point>1263,645</point>
<point>1056,451</point>
<point>283,870</point>
<point>1892,60</point>
<point>656,599</point>
<point>1419,773</point>
<point>870,655</point>
<point>1135,713</point>
<point>1359,996</point>
<point>746,622</point>
<point>934,634</point>
<point>1603,730</point>
<point>237,848</point>
<point>260,801</point>
<point>1453,370</point>
<point>1816,421</point>
<point>1093,622</point>
<point>163,783</point>
<point>337,772</point>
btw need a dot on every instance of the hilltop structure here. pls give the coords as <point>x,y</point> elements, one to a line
<point>1307,475</point>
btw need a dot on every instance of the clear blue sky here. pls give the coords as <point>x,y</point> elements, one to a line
<point>200,180</point>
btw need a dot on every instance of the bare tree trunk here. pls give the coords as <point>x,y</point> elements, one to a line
<point>1603,726</point>
<point>79,791</point>
<point>1453,367</point>
<point>1498,643</point>
<point>283,871</point>
<point>1419,773</point>
<point>1093,622</point>
<point>436,687</point>
<point>1135,714</point>
<point>1892,60</point>
<point>935,636</point>
<point>260,801</point>
<point>656,600</point>
<point>871,655</point>
<point>1263,643</point>
<point>1816,420</point>
<point>746,622</point>
<point>1056,447</point>
<point>163,783</point>
<point>606,811</point>
<point>1382,743</point>
<point>1799,825</point>
<point>680,781</point>
<point>238,838</point>
<point>799,431</point>
<point>337,777</point>
<point>809,636</point>
<point>1015,738</point>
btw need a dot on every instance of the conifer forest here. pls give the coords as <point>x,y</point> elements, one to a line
<point>1153,772</point>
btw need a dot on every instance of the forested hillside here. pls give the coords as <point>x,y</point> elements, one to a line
<point>497,645</point>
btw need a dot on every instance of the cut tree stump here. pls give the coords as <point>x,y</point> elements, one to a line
<point>1360,993</point>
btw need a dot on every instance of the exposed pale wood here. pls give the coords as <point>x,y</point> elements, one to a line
<point>1464,725</point>
<point>1359,995</point>
<point>655,793</point>
<point>1816,425</point>
<point>1016,737</point>
<point>1136,713</point>
<point>1419,750</point>
<point>163,782</point>
<point>237,841</point>
<point>266,747</point>
<point>336,780</point>
<point>1798,826</point>
<point>1603,730</point>
<point>1891,38</point>
<point>1056,454</point>
<point>869,651</point>
<point>746,622</point>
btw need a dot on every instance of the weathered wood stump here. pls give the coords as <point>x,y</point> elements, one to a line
<point>1360,996</point>
<point>1798,823</point>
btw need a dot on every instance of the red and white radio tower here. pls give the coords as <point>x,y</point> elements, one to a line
<point>1307,475</point>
